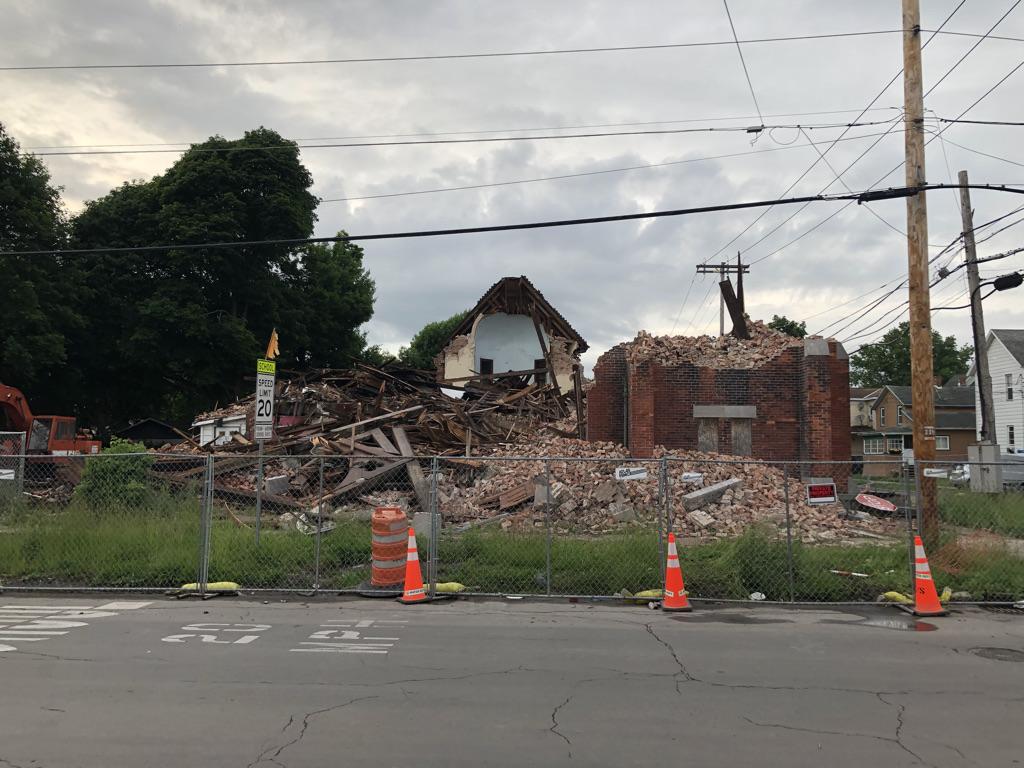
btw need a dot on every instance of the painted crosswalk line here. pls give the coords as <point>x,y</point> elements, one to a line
<point>21,623</point>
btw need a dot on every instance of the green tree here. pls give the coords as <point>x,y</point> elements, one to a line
<point>888,361</point>
<point>429,341</point>
<point>39,295</point>
<point>785,325</point>
<point>173,333</point>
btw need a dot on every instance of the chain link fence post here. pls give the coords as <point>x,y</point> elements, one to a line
<point>547,524</point>
<point>205,523</point>
<point>664,511</point>
<point>319,529</point>
<point>909,518</point>
<point>259,492</point>
<point>789,534</point>
<point>435,527</point>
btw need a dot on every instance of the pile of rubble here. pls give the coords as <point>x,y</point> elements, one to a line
<point>708,499</point>
<point>367,425</point>
<point>712,351</point>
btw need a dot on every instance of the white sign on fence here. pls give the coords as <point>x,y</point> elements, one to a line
<point>7,474</point>
<point>935,472</point>
<point>263,423</point>
<point>630,473</point>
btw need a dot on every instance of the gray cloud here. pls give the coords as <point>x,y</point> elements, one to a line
<point>610,280</point>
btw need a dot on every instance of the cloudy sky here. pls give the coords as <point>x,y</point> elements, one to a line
<point>610,280</point>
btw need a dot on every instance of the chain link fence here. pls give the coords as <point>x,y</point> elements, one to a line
<point>542,526</point>
<point>12,464</point>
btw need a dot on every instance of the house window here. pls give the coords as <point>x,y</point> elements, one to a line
<point>894,444</point>
<point>942,442</point>
<point>1009,434</point>
<point>1009,386</point>
<point>486,366</point>
<point>881,417</point>
<point>873,446</point>
<point>899,415</point>
<point>540,378</point>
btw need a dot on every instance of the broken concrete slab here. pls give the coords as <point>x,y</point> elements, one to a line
<point>700,519</point>
<point>711,494</point>
<point>277,485</point>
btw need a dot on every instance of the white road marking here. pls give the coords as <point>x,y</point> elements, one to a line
<point>342,636</point>
<point>199,631</point>
<point>333,650</point>
<point>17,631</point>
<point>124,605</point>
<point>49,624</point>
<point>32,623</point>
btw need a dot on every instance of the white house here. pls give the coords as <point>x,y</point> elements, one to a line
<point>1006,365</point>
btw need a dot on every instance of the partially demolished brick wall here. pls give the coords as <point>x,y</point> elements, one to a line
<point>797,392</point>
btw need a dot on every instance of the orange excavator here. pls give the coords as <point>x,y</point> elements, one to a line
<point>46,435</point>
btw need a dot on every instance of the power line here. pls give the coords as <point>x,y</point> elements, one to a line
<point>490,130</point>
<point>970,50</point>
<point>447,56</point>
<point>424,233</point>
<point>477,140</point>
<point>811,167</point>
<point>743,61</point>
<point>936,135</point>
<point>582,173</point>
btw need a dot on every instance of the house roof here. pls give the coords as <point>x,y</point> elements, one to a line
<point>518,296</point>
<point>962,420</point>
<point>863,393</point>
<point>1013,340</point>
<point>945,397</point>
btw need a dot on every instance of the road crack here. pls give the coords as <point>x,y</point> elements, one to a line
<point>902,708</point>
<point>554,725</point>
<point>270,754</point>
<point>683,671</point>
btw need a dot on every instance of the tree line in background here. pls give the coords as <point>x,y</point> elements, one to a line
<point>113,337</point>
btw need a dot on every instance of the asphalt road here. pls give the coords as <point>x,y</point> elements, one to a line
<point>137,681</point>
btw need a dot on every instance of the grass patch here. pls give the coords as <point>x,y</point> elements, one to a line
<point>159,547</point>
<point>996,512</point>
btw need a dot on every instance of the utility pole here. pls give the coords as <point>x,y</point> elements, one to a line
<point>723,269</point>
<point>921,371</point>
<point>983,379</point>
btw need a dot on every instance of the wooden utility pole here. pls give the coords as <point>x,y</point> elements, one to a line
<point>921,371</point>
<point>723,269</point>
<point>982,379</point>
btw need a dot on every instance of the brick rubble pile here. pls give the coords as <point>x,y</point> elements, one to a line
<point>586,498</point>
<point>712,351</point>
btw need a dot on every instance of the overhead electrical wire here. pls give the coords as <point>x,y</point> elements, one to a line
<point>476,140</point>
<point>581,174</point>
<point>814,164</point>
<point>936,135</point>
<point>446,56</point>
<point>818,159</point>
<point>743,61</point>
<point>498,227</point>
<point>490,130</point>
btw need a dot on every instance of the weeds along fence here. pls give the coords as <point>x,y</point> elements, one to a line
<point>544,526</point>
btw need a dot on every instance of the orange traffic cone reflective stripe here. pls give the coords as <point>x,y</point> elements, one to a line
<point>413,592</point>
<point>675,592</point>
<point>926,599</point>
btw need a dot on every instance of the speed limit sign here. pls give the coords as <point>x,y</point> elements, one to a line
<point>264,422</point>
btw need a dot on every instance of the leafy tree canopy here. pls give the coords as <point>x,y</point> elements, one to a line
<point>173,333</point>
<point>429,341</point>
<point>39,295</point>
<point>785,325</point>
<point>888,361</point>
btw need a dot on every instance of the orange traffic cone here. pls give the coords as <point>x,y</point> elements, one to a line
<point>414,592</point>
<point>675,593</point>
<point>926,600</point>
